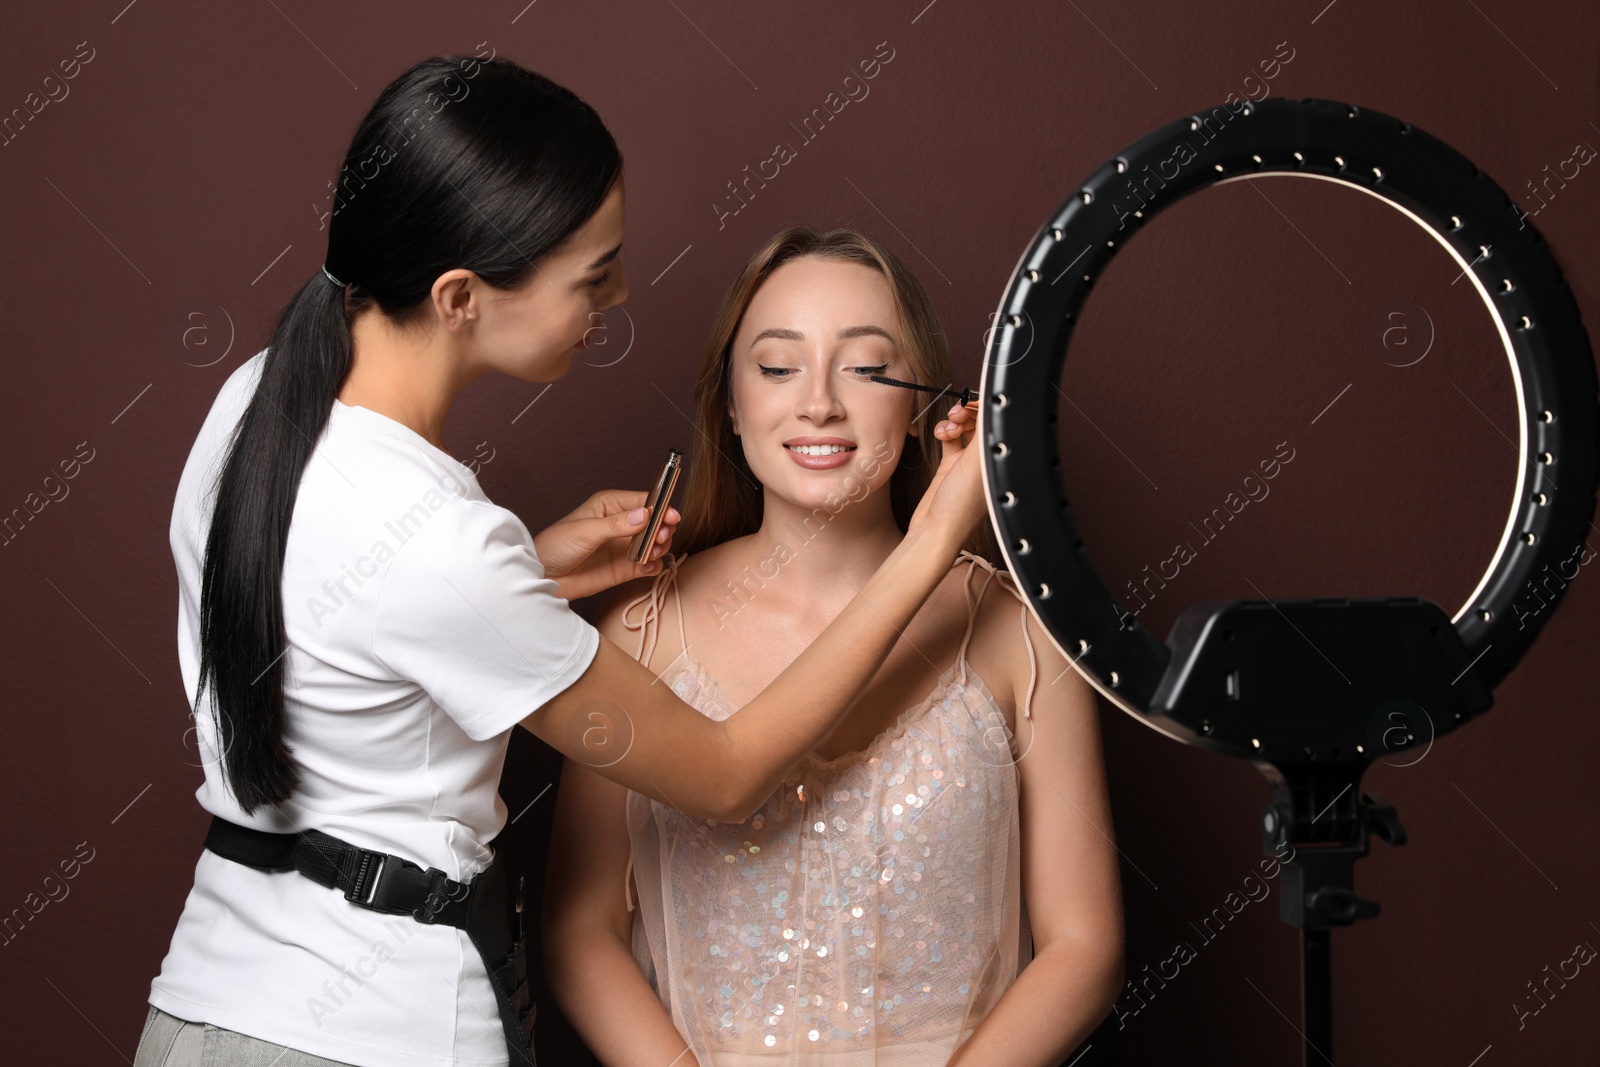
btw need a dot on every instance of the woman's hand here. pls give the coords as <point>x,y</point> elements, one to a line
<point>587,551</point>
<point>953,503</point>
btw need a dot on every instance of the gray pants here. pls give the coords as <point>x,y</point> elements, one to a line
<point>168,1041</point>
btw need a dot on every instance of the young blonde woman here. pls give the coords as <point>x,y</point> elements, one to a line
<point>871,912</point>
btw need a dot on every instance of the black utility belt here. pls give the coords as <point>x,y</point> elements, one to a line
<point>379,881</point>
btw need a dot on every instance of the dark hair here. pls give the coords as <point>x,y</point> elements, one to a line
<point>460,163</point>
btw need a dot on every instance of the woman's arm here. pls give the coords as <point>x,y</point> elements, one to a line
<point>587,551</point>
<point>1069,877</point>
<point>617,719</point>
<point>588,953</point>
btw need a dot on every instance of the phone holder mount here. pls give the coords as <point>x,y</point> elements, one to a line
<point>1313,690</point>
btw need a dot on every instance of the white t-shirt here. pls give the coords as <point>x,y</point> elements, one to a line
<point>421,630</point>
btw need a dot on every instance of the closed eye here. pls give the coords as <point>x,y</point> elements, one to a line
<point>598,282</point>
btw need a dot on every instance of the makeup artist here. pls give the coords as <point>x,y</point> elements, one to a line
<point>360,627</point>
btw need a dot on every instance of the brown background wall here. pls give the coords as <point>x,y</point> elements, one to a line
<point>157,217</point>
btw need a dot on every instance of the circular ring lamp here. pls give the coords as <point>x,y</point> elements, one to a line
<point>1257,678</point>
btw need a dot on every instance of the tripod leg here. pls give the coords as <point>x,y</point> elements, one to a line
<point>1316,993</point>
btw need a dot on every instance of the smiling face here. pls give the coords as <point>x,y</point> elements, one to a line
<point>812,423</point>
<point>533,332</point>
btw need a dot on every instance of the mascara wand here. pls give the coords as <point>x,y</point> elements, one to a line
<point>969,397</point>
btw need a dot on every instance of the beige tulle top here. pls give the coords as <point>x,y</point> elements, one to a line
<point>870,914</point>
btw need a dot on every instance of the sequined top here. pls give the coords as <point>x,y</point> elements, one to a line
<point>870,914</point>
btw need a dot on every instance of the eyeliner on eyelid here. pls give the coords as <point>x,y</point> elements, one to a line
<point>875,369</point>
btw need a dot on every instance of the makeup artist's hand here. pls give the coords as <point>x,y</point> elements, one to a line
<point>953,503</point>
<point>587,551</point>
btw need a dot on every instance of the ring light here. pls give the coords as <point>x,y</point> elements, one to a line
<point>1261,679</point>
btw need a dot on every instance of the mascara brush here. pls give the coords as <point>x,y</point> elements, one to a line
<point>969,397</point>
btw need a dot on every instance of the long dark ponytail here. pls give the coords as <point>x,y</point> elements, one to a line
<point>461,162</point>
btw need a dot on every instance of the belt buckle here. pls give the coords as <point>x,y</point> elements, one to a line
<point>401,880</point>
<point>367,876</point>
<point>438,895</point>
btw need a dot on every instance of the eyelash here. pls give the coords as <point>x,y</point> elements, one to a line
<point>779,373</point>
<point>598,282</point>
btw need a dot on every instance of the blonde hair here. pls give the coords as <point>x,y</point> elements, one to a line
<point>722,499</point>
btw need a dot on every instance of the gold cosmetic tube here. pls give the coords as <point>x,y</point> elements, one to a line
<point>660,498</point>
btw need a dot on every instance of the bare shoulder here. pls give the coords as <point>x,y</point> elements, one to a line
<point>623,612</point>
<point>1003,633</point>
<point>627,619</point>
<point>701,579</point>
<point>949,605</point>
<point>706,564</point>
